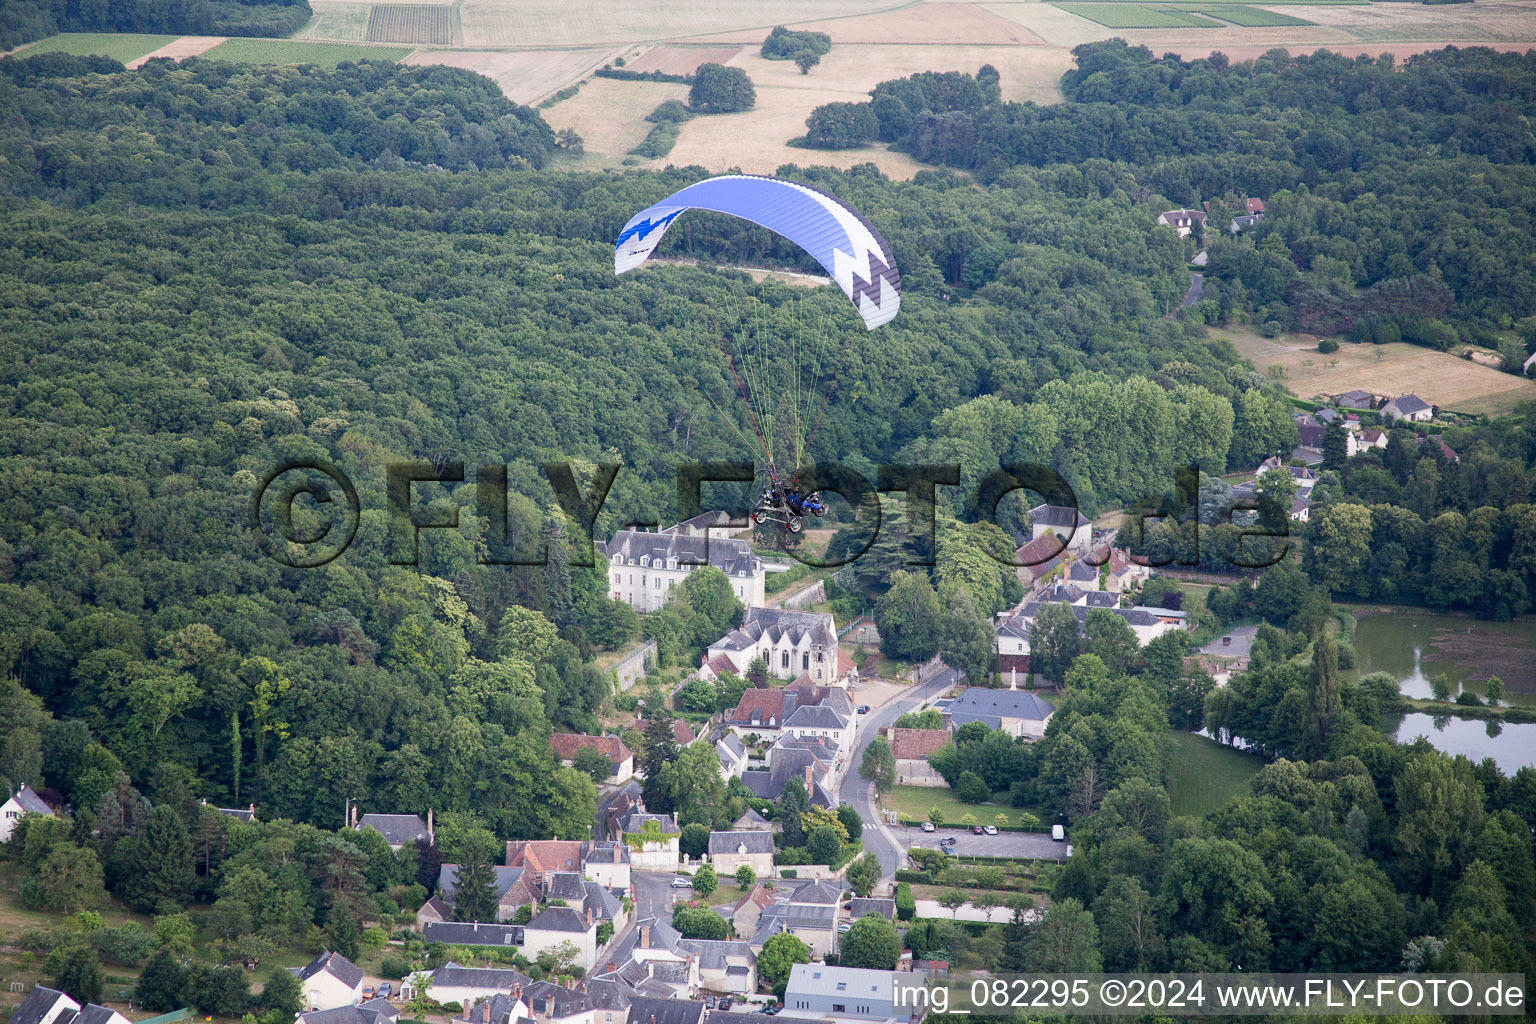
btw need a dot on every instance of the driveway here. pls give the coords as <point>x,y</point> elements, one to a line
<point>855,791</point>
<point>1033,845</point>
<point>653,898</point>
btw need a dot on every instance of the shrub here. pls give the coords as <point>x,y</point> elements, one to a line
<point>1468,698</point>
<point>1327,345</point>
<point>841,126</point>
<point>671,110</point>
<point>626,701</point>
<point>1271,328</point>
<point>906,906</point>
<point>971,789</point>
<point>906,875</point>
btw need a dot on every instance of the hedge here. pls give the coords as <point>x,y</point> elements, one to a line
<point>643,76</point>
<point>918,877</point>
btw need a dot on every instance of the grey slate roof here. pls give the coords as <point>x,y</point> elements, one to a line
<point>730,842</point>
<point>751,820</point>
<point>397,829</point>
<point>790,917</point>
<point>823,980</point>
<point>334,964</point>
<point>1057,517</point>
<point>565,885</point>
<point>367,1013</point>
<point>1000,703</point>
<point>447,885</point>
<point>558,919</point>
<point>1407,404</point>
<point>92,1013</point>
<point>822,893</point>
<point>30,802</point>
<point>495,1010</point>
<point>37,1004</point>
<point>712,954</point>
<point>775,623</point>
<point>816,716</point>
<point>472,934</point>
<point>732,557</point>
<point>1102,599</point>
<point>860,905</point>
<point>731,743</point>
<point>644,1010</point>
<point>636,823</point>
<point>452,975</point>
<point>605,906</point>
<point>732,1017</point>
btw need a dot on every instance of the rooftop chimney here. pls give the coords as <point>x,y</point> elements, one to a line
<point>808,782</point>
<point>589,917</point>
<point>354,815</point>
<point>431,837</point>
<point>645,936</point>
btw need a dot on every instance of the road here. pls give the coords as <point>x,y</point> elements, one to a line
<point>653,898</point>
<point>857,792</point>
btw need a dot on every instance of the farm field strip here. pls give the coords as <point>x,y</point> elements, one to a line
<point>1481,22</point>
<point>179,50</point>
<point>283,51</point>
<point>1243,15</point>
<point>600,22</point>
<point>681,60</point>
<point>342,22</point>
<point>428,24</point>
<point>525,76</point>
<point>1123,15</point>
<point>123,46</point>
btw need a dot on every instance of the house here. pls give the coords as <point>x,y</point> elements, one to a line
<point>1182,221</point>
<point>500,1008</point>
<point>1019,713</point>
<point>644,568</point>
<point>397,829</point>
<point>1408,407</point>
<point>23,801</point>
<point>751,821</point>
<point>1229,652</point>
<point>790,642</point>
<point>454,983</point>
<point>845,992</point>
<point>1245,222</point>
<point>644,1010</point>
<point>1309,429</point>
<point>789,764</point>
<point>744,913</point>
<point>591,1001</point>
<point>374,1011</point>
<point>820,722</point>
<point>652,840</point>
<point>765,712</point>
<point>432,911</point>
<point>1074,528</point>
<point>1364,440</point>
<point>553,926</point>
<point>607,863</point>
<point>620,760</point>
<point>1301,508</point>
<point>728,967</point>
<point>45,1005</point>
<point>1354,399</point>
<point>514,889</point>
<point>861,905</point>
<point>912,747</point>
<point>732,754</point>
<point>1039,559</point>
<point>1202,258</point>
<point>457,933</point>
<point>730,850</point>
<point>813,924</point>
<point>330,980</point>
<point>1326,416</point>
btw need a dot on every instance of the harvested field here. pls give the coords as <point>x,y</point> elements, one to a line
<point>1122,15</point>
<point>423,24</point>
<point>1438,377</point>
<point>681,60</point>
<point>1245,16</point>
<point>181,49</point>
<point>924,24</point>
<point>1479,22</point>
<point>596,22</point>
<point>609,115</point>
<point>123,46</point>
<point>525,76</point>
<point>1052,24</point>
<point>342,22</point>
<point>281,51</point>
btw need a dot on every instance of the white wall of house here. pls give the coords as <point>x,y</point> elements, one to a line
<point>727,863</point>
<point>648,586</point>
<point>655,856</point>
<point>325,991</point>
<point>607,874</point>
<point>537,940</point>
<point>915,771</point>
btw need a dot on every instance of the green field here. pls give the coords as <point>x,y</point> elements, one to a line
<point>123,46</point>
<point>1241,14</point>
<point>348,22</point>
<point>1124,15</point>
<point>279,51</point>
<point>410,23</point>
<point>1205,774</point>
<point>916,800</point>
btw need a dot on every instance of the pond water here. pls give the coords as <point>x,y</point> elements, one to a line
<point>1416,647</point>
<point>1511,745</point>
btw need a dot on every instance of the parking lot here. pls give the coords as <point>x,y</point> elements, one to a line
<point>1022,845</point>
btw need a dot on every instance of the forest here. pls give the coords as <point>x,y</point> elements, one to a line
<point>22,21</point>
<point>209,269</point>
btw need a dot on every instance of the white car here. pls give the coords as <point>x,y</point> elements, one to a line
<point>682,883</point>
<point>991,830</point>
<point>927,826</point>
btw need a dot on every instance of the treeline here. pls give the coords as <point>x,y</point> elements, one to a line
<point>22,21</point>
<point>1376,175</point>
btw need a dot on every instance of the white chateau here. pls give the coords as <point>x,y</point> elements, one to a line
<point>792,643</point>
<point>645,567</point>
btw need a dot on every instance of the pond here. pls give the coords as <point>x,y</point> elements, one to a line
<point>1418,646</point>
<point>1511,745</point>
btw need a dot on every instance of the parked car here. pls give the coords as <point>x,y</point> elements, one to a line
<point>1058,833</point>
<point>977,830</point>
<point>386,990</point>
<point>845,927</point>
<point>863,709</point>
<point>367,992</point>
<point>947,841</point>
<point>725,1002</point>
<point>679,882</point>
<point>927,826</point>
<point>709,1002</point>
<point>771,1010</point>
<point>991,830</point>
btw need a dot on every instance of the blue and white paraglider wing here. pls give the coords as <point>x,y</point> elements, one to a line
<point>842,241</point>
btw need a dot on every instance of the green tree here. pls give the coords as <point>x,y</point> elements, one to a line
<point>1439,812</point>
<point>779,955</point>
<point>282,993</point>
<point>475,882</point>
<point>909,618</point>
<point>807,59</point>
<point>175,932</point>
<point>1335,445</point>
<point>823,845</point>
<point>793,802</point>
<point>852,823</point>
<point>1065,942</point>
<point>1127,920</point>
<point>69,879</point>
<point>527,635</point>
<point>841,126</point>
<point>593,763</point>
<point>745,877</point>
<point>161,982</point>
<point>862,874</point>
<point>76,970</point>
<point>694,840</point>
<point>720,90</point>
<point>871,943</point>
<point>705,882</point>
<point>967,641</point>
<point>1053,642</point>
<point>1324,703</point>
<point>1495,689</point>
<point>700,923</point>
<point>163,852</point>
<point>971,789</point>
<point>952,900</point>
<point>879,765</point>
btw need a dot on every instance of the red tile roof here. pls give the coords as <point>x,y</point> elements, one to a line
<point>721,663</point>
<point>912,744</point>
<point>845,664</point>
<point>767,703</point>
<point>682,732</point>
<point>545,855</point>
<point>565,745</point>
<point>1038,553</point>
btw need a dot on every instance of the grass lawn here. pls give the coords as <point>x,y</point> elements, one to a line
<point>282,51</point>
<point>123,46</point>
<point>1126,15</point>
<point>916,801</point>
<point>1206,774</point>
